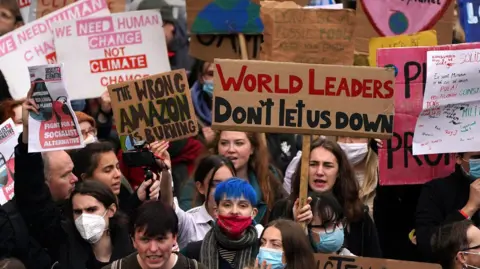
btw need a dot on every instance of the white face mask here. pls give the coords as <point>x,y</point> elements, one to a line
<point>356,152</point>
<point>91,226</point>
<point>90,139</point>
<point>471,266</point>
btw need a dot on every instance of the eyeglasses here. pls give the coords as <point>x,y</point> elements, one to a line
<point>467,249</point>
<point>91,131</point>
<point>340,224</point>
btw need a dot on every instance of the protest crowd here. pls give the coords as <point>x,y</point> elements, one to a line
<point>239,134</point>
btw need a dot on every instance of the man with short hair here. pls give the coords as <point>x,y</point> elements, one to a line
<point>233,241</point>
<point>154,232</point>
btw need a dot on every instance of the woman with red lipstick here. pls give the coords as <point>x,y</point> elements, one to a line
<point>330,171</point>
<point>249,154</point>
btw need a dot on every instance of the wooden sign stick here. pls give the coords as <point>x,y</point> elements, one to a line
<point>305,161</point>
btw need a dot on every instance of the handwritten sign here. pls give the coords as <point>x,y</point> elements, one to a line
<point>426,38</point>
<point>55,126</point>
<point>154,108</point>
<point>449,119</point>
<point>8,141</point>
<point>209,47</point>
<point>397,164</point>
<point>262,96</point>
<point>226,16</point>
<point>388,18</point>
<point>469,11</point>
<point>305,35</point>
<point>33,44</point>
<point>110,50</point>
<point>325,261</point>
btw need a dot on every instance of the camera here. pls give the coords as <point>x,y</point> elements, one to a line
<point>140,156</point>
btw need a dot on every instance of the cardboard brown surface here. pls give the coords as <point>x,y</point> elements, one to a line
<point>45,7</point>
<point>295,34</point>
<point>365,31</point>
<point>154,108</point>
<point>325,261</point>
<point>262,96</point>
<point>209,47</point>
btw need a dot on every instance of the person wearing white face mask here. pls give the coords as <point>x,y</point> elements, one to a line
<point>365,164</point>
<point>456,245</point>
<point>97,234</point>
<point>87,127</point>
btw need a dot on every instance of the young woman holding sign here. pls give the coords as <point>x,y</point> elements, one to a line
<point>330,171</point>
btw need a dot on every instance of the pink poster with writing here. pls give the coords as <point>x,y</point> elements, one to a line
<point>397,164</point>
<point>33,44</point>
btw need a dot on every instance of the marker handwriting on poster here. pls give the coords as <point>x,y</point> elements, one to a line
<point>281,99</point>
<point>155,108</point>
<point>112,44</point>
<point>448,119</point>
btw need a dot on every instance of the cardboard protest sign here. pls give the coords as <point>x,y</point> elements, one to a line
<point>469,11</point>
<point>426,38</point>
<point>42,8</point>
<point>209,47</point>
<point>33,44</point>
<point>397,164</point>
<point>8,140</point>
<point>325,261</point>
<point>110,50</point>
<point>304,35</point>
<point>448,122</point>
<point>24,6</point>
<point>154,108</point>
<point>261,96</point>
<point>388,18</point>
<point>226,16</point>
<point>55,127</point>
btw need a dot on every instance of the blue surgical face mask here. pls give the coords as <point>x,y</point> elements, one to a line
<point>273,257</point>
<point>474,168</point>
<point>329,243</point>
<point>207,87</point>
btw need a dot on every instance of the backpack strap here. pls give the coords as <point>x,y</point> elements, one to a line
<point>18,224</point>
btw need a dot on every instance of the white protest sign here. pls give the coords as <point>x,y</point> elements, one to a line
<point>33,44</point>
<point>55,127</point>
<point>451,104</point>
<point>8,141</point>
<point>110,50</point>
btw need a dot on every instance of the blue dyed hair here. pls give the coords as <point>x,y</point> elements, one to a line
<point>235,188</point>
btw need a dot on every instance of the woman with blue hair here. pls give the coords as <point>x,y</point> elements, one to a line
<point>232,243</point>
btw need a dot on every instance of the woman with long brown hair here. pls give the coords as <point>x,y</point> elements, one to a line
<point>249,154</point>
<point>331,171</point>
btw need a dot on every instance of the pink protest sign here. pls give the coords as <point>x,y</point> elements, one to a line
<point>33,43</point>
<point>110,50</point>
<point>397,164</point>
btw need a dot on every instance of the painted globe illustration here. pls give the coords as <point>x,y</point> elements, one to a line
<point>234,16</point>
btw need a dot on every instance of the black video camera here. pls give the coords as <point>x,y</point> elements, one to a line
<point>140,156</point>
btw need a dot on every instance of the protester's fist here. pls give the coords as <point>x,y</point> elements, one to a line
<point>27,106</point>
<point>209,134</point>
<point>106,102</point>
<point>473,203</point>
<point>159,148</point>
<point>303,214</point>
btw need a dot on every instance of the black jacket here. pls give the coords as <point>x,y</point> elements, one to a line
<point>439,203</point>
<point>361,238</point>
<point>47,221</point>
